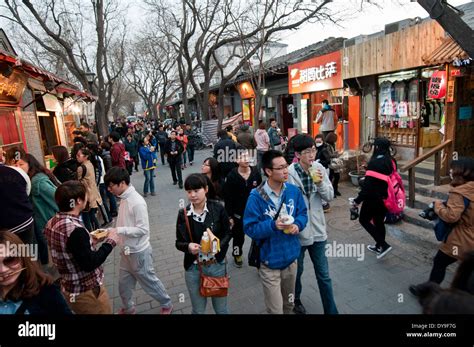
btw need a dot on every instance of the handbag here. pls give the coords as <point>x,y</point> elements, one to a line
<point>443,229</point>
<point>210,286</point>
<point>336,164</point>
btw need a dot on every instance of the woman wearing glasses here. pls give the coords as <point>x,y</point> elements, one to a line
<point>24,288</point>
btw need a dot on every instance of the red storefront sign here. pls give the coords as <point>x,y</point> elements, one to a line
<point>319,73</point>
<point>437,87</point>
<point>11,88</point>
<point>455,72</point>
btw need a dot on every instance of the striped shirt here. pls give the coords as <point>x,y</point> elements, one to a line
<point>73,279</point>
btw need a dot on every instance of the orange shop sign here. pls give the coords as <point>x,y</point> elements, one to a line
<point>246,91</point>
<point>316,74</point>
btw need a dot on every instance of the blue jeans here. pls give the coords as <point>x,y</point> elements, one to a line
<point>149,181</point>
<point>320,262</point>
<point>193,283</point>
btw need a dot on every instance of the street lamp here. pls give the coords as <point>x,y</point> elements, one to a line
<point>90,76</point>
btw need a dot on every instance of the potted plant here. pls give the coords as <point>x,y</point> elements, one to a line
<point>359,173</point>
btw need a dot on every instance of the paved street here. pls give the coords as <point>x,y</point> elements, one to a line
<point>362,284</point>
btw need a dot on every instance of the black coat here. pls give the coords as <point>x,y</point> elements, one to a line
<point>179,149</point>
<point>49,301</point>
<point>224,150</point>
<point>373,188</point>
<point>217,220</point>
<point>237,190</point>
<point>66,171</point>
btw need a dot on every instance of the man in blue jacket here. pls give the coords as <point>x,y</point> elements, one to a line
<point>274,215</point>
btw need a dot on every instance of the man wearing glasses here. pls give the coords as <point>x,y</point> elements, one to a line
<point>312,180</point>
<point>274,215</point>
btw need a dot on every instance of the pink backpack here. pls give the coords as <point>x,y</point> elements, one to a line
<point>395,201</point>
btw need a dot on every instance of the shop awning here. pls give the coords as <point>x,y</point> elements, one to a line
<point>35,72</point>
<point>83,95</point>
<point>446,53</point>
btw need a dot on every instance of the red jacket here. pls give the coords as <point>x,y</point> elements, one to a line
<point>117,152</point>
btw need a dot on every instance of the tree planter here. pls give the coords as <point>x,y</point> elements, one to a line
<point>355,176</point>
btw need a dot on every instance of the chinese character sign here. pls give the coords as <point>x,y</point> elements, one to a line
<point>437,87</point>
<point>315,74</point>
<point>11,88</point>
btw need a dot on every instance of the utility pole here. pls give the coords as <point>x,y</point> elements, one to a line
<point>449,18</point>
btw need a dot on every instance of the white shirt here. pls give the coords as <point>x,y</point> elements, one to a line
<point>132,221</point>
<point>200,218</point>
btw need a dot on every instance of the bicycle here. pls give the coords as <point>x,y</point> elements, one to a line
<point>367,147</point>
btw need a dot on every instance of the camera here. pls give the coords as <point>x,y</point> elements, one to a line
<point>428,213</point>
<point>354,209</point>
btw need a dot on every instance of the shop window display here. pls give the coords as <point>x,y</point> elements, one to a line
<point>399,109</point>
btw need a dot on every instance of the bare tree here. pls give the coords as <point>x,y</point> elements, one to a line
<point>151,71</point>
<point>66,35</point>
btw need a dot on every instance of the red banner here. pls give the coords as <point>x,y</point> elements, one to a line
<point>316,74</point>
<point>437,87</point>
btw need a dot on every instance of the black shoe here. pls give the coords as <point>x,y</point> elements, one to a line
<point>414,289</point>
<point>180,186</point>
<point>114,214</point>
<point>337,193</point>
<point>175,183</point>
<point>299,308</point>
<point>384,251</point>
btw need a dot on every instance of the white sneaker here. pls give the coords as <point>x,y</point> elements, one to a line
<point>384,252</point>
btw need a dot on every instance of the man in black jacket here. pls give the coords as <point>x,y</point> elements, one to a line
<point>240,182</point>
<point>225,151</point>
<point>173,150</point>
<point>162,137</point>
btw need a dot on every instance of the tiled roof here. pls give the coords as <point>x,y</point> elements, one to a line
<point>447,52</point>
<point>280,64</point>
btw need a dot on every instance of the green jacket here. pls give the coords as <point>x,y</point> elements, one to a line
<point>42,197</point>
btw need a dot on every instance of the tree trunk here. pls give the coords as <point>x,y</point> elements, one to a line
<point>451,22</point>
<point>102,123</point>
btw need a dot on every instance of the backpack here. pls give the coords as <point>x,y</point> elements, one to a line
<point>396,196</point>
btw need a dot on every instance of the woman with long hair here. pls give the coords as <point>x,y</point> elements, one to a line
<point>202,214</point>
<point>43,188</point>
<point>66,167</point>
<point>459,211</point>
<point>210,168</point>
<point>86,175</point>
<point>372,195</point>
<point>24,288</point>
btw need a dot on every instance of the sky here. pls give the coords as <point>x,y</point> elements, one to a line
<point>372,20</point>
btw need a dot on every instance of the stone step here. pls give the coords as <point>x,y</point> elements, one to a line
<point>420,178</point>
<point>430,191</point>
<point>411,217</point>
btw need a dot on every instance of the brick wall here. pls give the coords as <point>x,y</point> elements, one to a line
<point>32,136</point>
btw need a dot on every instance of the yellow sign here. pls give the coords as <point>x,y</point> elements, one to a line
<point>450,92</point>
<point>11,88</point>
<point>246,110</point>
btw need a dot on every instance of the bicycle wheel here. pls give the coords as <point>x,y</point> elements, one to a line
<point>367,147</point>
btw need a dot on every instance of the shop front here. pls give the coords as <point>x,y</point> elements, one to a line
<point>312,81</point>
<point>451,85</point>
<point>31,108</point>
<point>247,95</point>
